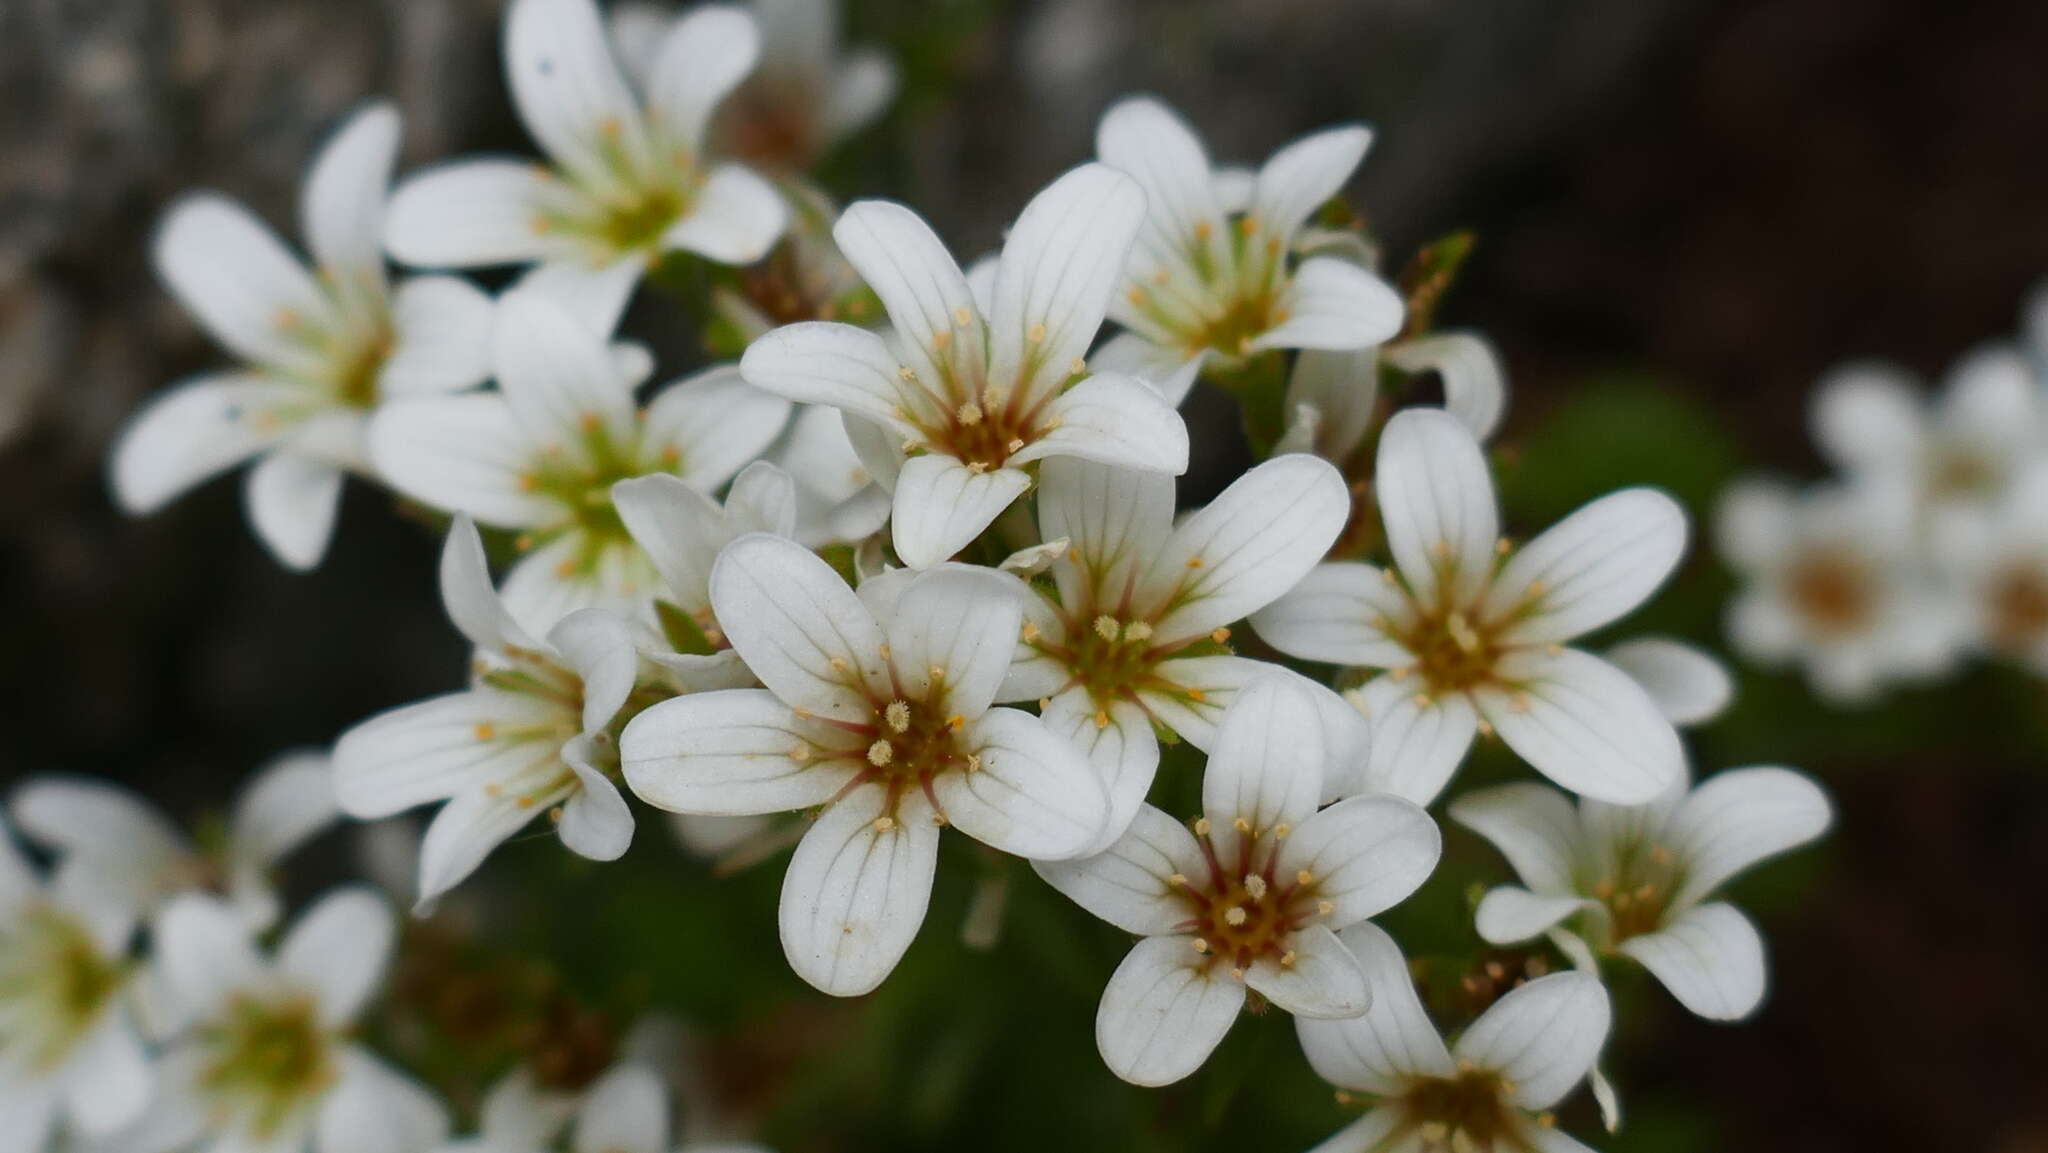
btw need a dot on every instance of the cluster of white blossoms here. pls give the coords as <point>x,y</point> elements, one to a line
<point>912,563</point>
<point>1929,544</point>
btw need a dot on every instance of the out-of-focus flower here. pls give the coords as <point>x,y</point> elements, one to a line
<point>541,455</point>
<point>1332,397</point>
<point>536,729</point>
<point>2000,574</point>
<point>1214,279</point>
<point>125,847</point>
<point>321,350</point>
<point>1638,879</point>
<point>1831,580</point>
<point>71,1057</point>
<point>838,500</point>
<point>626,1110</point>
<point>806,277</point>
<point>1490,1093</point>
<point>1253,898</point>
<point>631,178</point>
<point>952,408</point>
<point>1473,632</point>
<point>270,1062</point>
<point>1688,684</point>
<point>877,709</point>
<point>1129,630</point>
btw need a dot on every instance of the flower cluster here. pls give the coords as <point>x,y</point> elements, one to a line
<point>1929,544</point>
<point>912,563</point>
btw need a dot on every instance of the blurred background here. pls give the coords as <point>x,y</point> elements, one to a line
<point>1685,211</point>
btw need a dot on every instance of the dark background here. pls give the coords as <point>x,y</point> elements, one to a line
<point>1685,212</point>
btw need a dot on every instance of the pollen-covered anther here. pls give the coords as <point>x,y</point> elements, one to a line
<point>1137,631</point>
<point>1101,719</point>
<point>973,762</point>
<point>1014,444</point>
<point>1255,886</point>
<point>838,665</point>
<point>1201,946</point>
<point>801,753</point>
<point>956,722</point>
<point>1106,627</point>
<point>1281,830</point>
<point>1220,634</point>
<point>1326,907</point>
<point>1178,880</point>
<point>897,715</point>
<point>906,374</point>
<point>1304,877</point>
<point>589,422</point>
<point>1287,959</point>
<point>1035,334</point>
<point>485,730</point>
<point>884,823</point>
<point>942,339</point>
<point>963,316</point>
<point>1242,825</point>
<point>881,753</point>
<point>1661,855</point>
<point>1195,562</point>
<point>1197,695</point>
<point>969,414</point>
<point>1235,915</point>
<point>1201,826</point>
<point>1030,632</point>
<point>1078,367</point>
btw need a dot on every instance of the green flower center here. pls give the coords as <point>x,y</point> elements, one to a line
<point>269,1056</point>
<point>54,985</point>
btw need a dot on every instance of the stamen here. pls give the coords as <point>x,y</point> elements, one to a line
<point>884,823</point>
<point>485,730</point>
<point>881,753</point>
<point>963,316</point>
<point>1201,826</point>
<point>801,754</point>
<point>1235,915</point>
<point>1105,627</point>
<point>1137,631</point>
<point>1201,946</point>
<point>1255,886</point>
<point>969,414</point>
<point>898,716</point>
<point>1030,632</point>
<point>1036,334</point>
<point>1220,635</point>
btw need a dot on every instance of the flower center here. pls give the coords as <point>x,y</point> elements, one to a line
<point>1960,473</point>
<point>638,218</point>
<point>1237,295</point>
<point>1468,1113</point>
<point>1636,886</point>
<point>1452,652</point>
<point>269,1055</point>
<point>1833,591</point>
<point>54,984</point>
<point>356,375</point>
<point>1240,909</point>
<point>2019,607</point>
<point>580,484</point>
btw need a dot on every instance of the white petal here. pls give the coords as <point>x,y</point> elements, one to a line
<point>679,528</point>
<point>1169,370</point>
<point>1475,385</point>
<point>1508,915</point>
<point>862,86</point>
<point>1991,403</point>
<point>1437,503</point>
<point>1868,416</point>
<point>1584,724</point>
<point>704,57</point>
<point>728,753</point>
<point>1592,567</point>
<point>1738,818</point>
<point>1343,390</point>
<point>599,647</point>
<point>1218,679</point>
<point>1060,263</point>
<point>923,289</point>
<point>566,84</point>
<point>1301,176</point>
<point>1248,547</point>
<point>1114,419</point>
<point>1129,884</point>
<point>1331,613</point>
<point>1150,142</point>
<point>1375,1132</point>
<point>817,362</point>
<point>517,1111</point>
<point>83,817</point>
<point>1166,1008</point>
<point>1367,854</point>
<point>338,950</point>
<point>596,823</point>
<point>716,422</point>
<point>290,801</point>
<point>797,625</point>
<point>735,219</point>
<point>594,293</point>
<point>1034,795</point>
<point>624,1111</point>
<point>467,213</point>
<point>231,272</point>
<point>434,749</point>
<point>1125,752</point>
<point>856,892</point>
<point>471,603</point>
<point>1710,958</point>
<point>557,377</point>
<point>1688,684</point>
<point>1331,303</point>
<point>1323,981</point>
<point>343,202</point>
<point>28,1117</point>
<point>1543,1036</point>
<point>193,431</point>
<point>203,946</point>
<point>1417,743</point>
<point>110,1078</point>
<point>1534,826</point>
<point>961,620</point>
<point>1267,766</point>
<point>1755,524</point>
<point>1116,519</point>
<point>472,824</point>
<point>374,1108</point>
<point>941,506</point>
<point>461,453</point>
<point>442,337</point>
<point>1392,1043</point>
<point>292,501</point>
<point>763,499</point>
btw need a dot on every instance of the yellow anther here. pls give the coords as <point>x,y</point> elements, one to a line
<point>1255,886</point>
<point>1194,562</point>
<point>1400,674</point>
<point>1287,959</point>
<point>1661,855</point>
<point>1503,546</point>
<point>1197,695</point>
<point>1304,877</point>
<point>288,318</point>
<point>963,316</point>
<point>1235,915</point>
<point>1248,225</point>
<point>1536,590</point>
<point>528,482</point>
<point>801,713</point>
<point>1178,880</point>
<point>527,802</point>
<point>977,466</point>
<point>1242,825</point>
<point>1105,627</point>
<point>566,569</point>
<point>884,824</point>
<point>494,790</point>
<point>589,422</point>
<point>1603,889</point>
<point>906,373</point>
<point>898,716</point>
<point>837,664</point>
<point>1101,719</point>
<point>1201,826</point>
<point>956,722</point>
<point>1219,634</point>
<point>1281,830</point>
<point>485,730</point>
<point>881,753</point>
<point>1485,728</point>
<point>801,754</point>
<point>941,339</point>
<point>1421,700</point>
<point>1044,703</point>
<point>969,414</point>
<point>1201,946</point>
<point>1078,367</point>
<point>1325,907</point>
<point>1036,334</point>
<point>1136,296</point>
<point>883,650</point>
<point>1237,972</point>
<point>1137,631</point>
<point>524,542</point>
<point>1519,702</point>
<point>973,763</point>
<point>1204,230</point>
<point>1014,444</point>
<point>1646,892</point>
<point>1030,632</point>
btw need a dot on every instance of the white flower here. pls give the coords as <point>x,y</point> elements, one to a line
<point>1473,631</point>
<point>1638,878</point>
<point>1254,897</point>
<point>974,392</point>
<point>1332,397</point>
<point>125,847</point>
<point>1687,683</point>
<point>1490,1093</point>
<point>536,729</point>
<point>271,1062</point>
<point>1128,631</point>
<point>838,500</point>
<point>805,277</point>
<point>542,453</point>
<point>321,349</point>
<point>71,1057</point>
<point>631,177</point>
<point>1831,579</point>
<point>877,709</point>
<point>626,1110</point>
<point>2003,575</point>
<point>1213,274</point>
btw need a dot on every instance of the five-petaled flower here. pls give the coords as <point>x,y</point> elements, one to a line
<point>631,179</point>
<point>1251,899</point>
<point>1473,631</point>
<point>1214,280</point>
<point>1635,881</point>
<point>321,350</point>
<point>952,408</point>
<point>877,711</point>
<point>537,728</point>
<point>1490,1093</point>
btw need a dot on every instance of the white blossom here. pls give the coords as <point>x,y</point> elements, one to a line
<point>1253,898</point>
<point>625,1110</point>
<point>1473,631</point>
<point>1999,573</point>
<point>1637,881</point>
<point>321,349</point>
<point>877,713</point>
